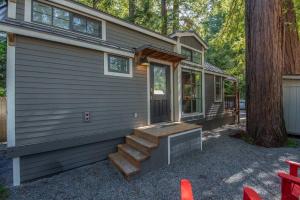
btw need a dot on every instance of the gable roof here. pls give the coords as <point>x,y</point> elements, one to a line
<point>189,33</point>
<point>212,68</point>
<point>110,18</point>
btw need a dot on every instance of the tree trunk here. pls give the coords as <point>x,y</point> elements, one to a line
<point>175,15</point>
<point>164,26</point>
<point>264,65</point>
<point>132,10</point>
<point>95,2</point>
<point>291,39</point>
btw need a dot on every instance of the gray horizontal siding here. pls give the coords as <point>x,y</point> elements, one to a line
<point>212,108</point>
<point>39,165</point>
<point>132,39</point>
<point>20,10</point>
<point>56,83</point>
<point>192,42</point>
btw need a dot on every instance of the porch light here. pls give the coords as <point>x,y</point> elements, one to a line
<point>144,61</point>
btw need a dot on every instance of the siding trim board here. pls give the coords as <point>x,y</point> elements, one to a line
<point>53,38</point>
<point>12,9</point>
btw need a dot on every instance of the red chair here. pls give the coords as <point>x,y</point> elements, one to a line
<point>186,190</point>
<point>290,186</point>
<point>250,194</point>
<point>294,166</point>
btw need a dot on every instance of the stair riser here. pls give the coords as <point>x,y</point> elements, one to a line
<point>129,158</point>
<point>139,147</point>
<point>146,136</point>
<point>120,171</point>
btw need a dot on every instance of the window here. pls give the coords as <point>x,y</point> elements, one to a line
<point>191,91</point>
<point>61,18</point>
<point>49,15</point>
<point>218,88</point>
<point>42,13</point>
<point>193,56</point>
<point>160,82</point>
<point>117,65</point>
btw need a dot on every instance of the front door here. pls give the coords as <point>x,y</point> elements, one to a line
<point>160,93</point>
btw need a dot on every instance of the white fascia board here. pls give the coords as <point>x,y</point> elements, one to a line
<point>49,37</point>
<point>190,34</point>
<point>108,18</point>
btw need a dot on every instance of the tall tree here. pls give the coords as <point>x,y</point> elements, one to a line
<point>164,16</point>
<point>264,65</point>
<point>175,15</point>
<point>291,40</point>
<point>132,10</point>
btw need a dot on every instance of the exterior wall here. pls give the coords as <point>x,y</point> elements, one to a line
<point>212,108</point>
<point>44,164</point>
<point>20,9</point>
<point>192,42</point>
<point>56,83</point>
<point>125,37</point>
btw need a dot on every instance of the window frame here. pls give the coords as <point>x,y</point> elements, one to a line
<point>189,70</point>
<point>221,89</point>
<point>106,66</point>
<point>101,24</point>
<point>192,50</point>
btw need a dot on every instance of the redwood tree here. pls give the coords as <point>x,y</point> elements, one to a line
<point>164,26</point>
<point>264,67</point>
<point>291,40</point>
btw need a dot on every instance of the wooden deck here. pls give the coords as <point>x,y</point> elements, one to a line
<point>165,130</point>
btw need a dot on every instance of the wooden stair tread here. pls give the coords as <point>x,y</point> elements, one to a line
<point>142,141</point>
<point>134,153</point>
<point>123,164</point>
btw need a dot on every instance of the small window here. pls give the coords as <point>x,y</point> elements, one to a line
<point>187,53</point>
<point>42,13</point>
<point>61,18</point>
<point>197,57</point>
<point>160,81</point>
<point>218,88</point>
<point>117,65</point>
<point>79,24</point>
<point>93,28</point>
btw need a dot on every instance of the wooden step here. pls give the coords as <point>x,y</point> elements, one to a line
<point>125,166</point>
<point>140,144</point>
<point>142,134</point>
<point>132,153</point>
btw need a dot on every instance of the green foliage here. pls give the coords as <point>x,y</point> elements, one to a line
<point>291,143</point>
<point>2,64</point>
<point>3,193</point>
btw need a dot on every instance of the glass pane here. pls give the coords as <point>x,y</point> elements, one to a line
<point>61,18</point>
<point>118,64</point>
<point>79,24</point>
<point>160,82</point>
<point>93,28</point>
<point>42,13</point>
<point>197,57</point>
<point>187,53</point>
<point>42,8</point>
<point>186,106</point>
<point>218,88</point>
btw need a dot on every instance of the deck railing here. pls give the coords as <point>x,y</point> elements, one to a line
<point>3,116</point>
<point>230,102</point>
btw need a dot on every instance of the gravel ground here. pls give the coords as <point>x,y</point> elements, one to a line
<point>218,172</point>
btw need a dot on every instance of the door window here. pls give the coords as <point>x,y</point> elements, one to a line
<point>160,82</point>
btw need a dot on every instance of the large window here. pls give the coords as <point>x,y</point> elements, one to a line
<point>192,56</point>
<point>218,89</point>
<point>191,91</point>
<point>49,15</point>
<point>117,65</point>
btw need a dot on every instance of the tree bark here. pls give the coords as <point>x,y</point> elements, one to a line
<point>264,67</point>
<point>132,10</point>
<point>95,2</point>
<point>291,40</point>
<point>175,15</point>
<point>164,26</point>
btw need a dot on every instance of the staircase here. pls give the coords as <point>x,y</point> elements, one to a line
<point>130,155</point>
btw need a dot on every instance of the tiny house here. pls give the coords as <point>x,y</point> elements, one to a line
<point>79,81</point>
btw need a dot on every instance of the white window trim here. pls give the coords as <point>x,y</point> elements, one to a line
<point>192,49</point>
<point>215,91</point>
<point>107,72</point>
<point>28,10</point>
<point>183,115</point>
<point>12,9</point>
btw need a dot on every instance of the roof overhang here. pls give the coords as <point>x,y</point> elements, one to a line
<point>189,33</point>
<point>148,51</point>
